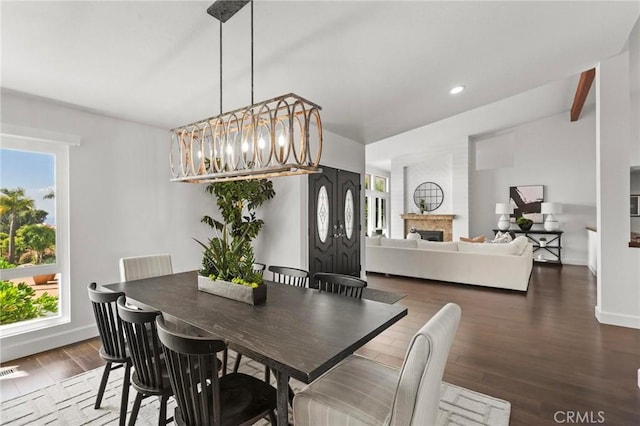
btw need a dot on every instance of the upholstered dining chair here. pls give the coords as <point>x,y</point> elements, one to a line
<point>360,391</point>
<point>114,348</point>
<point>150,376</point>
<point>291,276</point>
<point>139,267</point>
<point>203,398</point>
<point>345,285</point>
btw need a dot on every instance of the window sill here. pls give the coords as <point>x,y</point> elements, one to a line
<point>36,324</point>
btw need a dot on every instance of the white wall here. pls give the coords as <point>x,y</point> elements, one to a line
<point>618,269</point>
<point>121,204</point>
<point>444,162</point>
<point>284,238</point>
<point>634,75</point>
<point>553,152</point>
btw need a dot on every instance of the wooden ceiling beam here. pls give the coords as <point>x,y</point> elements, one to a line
<point>586,80</point>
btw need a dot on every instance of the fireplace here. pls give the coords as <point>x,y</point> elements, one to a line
<point>441,224</point>
<point>431,235</point>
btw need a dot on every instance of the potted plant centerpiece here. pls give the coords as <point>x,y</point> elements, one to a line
<point>227,264</point>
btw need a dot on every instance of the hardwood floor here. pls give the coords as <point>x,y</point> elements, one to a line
<point>543,351</point>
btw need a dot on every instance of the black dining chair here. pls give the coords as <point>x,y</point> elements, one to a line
<point>150,376</point>
<point>291,276</point>
<point>114,348</point>
<point>345,285</point>
<point>203,398</point>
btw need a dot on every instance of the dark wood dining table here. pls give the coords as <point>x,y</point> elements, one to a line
<point>297,332</point>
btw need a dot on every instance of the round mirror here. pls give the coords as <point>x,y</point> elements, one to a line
<point>428,196</point>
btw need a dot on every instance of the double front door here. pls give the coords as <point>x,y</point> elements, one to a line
<point>334,222</point>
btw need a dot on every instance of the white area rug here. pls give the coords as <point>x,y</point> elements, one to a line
<point>70,403</point>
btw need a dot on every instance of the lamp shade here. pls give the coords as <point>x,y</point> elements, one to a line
<point>551,208</point>
<point>503,208</point>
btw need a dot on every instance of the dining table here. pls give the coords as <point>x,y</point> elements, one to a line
<point>298,332</point>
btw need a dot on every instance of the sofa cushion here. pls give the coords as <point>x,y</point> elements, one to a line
<point>502,237</point>
<point>520,243</point>
<point>438,245</point>
<point>373,241</point>
<point>478,239</point>
<point>392,242</point>
<point>514,248</point>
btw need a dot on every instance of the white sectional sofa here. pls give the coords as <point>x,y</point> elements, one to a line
<point>501,265</point>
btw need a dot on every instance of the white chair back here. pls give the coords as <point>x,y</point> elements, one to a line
<point>418,391</point>
<point>139,267</point>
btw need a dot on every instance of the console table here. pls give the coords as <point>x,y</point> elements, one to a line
<point>553,245</point>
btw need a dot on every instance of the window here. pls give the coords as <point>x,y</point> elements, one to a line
<point>34,259</point>
<point>376,205</point>
<point>381,184</point>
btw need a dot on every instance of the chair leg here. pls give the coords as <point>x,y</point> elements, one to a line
<point>291,395</point>
<point>103,384</point>
<point>272,418</point>
<point>162,418</point>
<point>267,374</point>
<point>125,395</point>
<point>225,360</point>
<point>237,363</point>
<point>136,409</point>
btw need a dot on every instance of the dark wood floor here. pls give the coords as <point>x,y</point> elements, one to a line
<point>543,351</point>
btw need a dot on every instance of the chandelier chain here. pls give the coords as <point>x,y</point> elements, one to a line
<point>220,67</point>
<point>252,102</point>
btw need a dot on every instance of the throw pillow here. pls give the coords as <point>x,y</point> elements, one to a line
<point>413,236</point>
<point>478,239</point>
<point>520,244</point>
<point>502,237</point>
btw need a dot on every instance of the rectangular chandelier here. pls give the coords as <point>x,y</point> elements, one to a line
<point>277,137</point>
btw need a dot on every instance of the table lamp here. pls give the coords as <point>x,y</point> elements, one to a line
<point>551,223</point>
<point>503,209</point>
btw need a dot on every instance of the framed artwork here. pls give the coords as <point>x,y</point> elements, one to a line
<point>527,201</point>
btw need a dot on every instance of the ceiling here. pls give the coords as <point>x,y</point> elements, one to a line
<point>378,68</point>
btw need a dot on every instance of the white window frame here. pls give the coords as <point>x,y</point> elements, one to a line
<point>372,198</point>
<point>36,140</point>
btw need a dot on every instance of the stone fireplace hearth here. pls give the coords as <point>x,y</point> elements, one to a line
<point>430,222</point>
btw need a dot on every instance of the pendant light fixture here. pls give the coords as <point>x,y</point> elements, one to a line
<point>277,137</point>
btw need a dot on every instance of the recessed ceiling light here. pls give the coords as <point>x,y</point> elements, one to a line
<point>456,90</point>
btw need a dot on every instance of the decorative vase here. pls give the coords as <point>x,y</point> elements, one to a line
<point>525,226</point>
<point>238,292</point>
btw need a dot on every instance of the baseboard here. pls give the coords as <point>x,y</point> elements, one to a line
<point>617,319</point>
<point>574,261</point>
<point>40,344</point>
